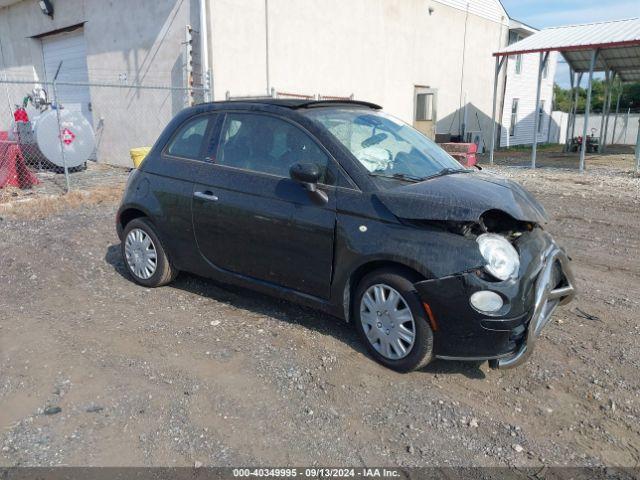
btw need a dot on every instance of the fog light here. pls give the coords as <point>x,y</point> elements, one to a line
<point>486,301</point>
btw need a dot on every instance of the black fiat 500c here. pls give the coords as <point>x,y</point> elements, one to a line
<point>343,208</point>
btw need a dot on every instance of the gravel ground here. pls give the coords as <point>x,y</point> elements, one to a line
<point>98,371</point>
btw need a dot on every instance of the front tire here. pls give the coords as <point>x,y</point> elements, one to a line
<point>144,255</point>
<point>392,322</point>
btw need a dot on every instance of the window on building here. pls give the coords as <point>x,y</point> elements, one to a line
<point>266,144</point>
<point>518,64</point>
<point>545,70</point>
<point>424,107</point>
<point>188,142</point>
<point>514,117</point>
<point>540,116</point>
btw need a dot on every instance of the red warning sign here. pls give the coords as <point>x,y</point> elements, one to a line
<point>67,136</point>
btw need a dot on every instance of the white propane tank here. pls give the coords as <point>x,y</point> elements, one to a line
<point>76,133</point>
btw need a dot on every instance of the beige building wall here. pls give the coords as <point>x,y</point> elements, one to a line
<point>141,41</point>
<point>377,50</point>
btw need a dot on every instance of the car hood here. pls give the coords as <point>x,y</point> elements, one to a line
<point>462,197</point>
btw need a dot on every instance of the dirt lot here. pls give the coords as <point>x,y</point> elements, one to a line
<point>197,372</point>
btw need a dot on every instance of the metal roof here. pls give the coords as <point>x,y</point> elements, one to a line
<point>618,43</point>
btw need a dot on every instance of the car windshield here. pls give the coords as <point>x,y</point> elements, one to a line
<point>384,145</point>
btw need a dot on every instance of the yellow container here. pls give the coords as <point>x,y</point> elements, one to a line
<point>138,155</point>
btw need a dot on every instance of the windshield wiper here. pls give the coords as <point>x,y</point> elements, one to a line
<point>412,178</point>
<point>399,176</point>
<point>448,171</point>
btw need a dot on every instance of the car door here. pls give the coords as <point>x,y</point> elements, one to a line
<point>168,190</point>
<point>251,219</point>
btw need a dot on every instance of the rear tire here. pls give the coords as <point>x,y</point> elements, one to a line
<point>144,256</point>
<point>396,331</point>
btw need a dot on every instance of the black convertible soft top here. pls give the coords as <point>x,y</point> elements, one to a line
<point>297,103</point>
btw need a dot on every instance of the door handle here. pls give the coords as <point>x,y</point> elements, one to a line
<point>206,196</point>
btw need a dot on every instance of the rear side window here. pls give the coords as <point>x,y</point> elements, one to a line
<point>188,142</point>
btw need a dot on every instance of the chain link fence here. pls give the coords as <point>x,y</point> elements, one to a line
<point>58,137</point>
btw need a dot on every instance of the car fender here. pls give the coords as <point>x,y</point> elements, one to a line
<point>431,252</point>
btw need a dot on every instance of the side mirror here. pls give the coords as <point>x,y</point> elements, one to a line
<point>308,175</point>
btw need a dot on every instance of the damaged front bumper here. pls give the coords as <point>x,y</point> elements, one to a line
<point>507,337</point>
<point>550,291</point>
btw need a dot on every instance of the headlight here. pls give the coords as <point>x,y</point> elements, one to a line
<point>502,259</point>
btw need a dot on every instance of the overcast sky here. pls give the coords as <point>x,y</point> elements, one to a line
<point>551,13</point>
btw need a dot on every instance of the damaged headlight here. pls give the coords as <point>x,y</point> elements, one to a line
<point>502,259</point>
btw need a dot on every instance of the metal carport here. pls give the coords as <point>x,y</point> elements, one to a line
<point>610,47</point>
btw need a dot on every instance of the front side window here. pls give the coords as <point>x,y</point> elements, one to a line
<point>384,145</point>
<point>266,144</point>
<point>514,117</point>
<point>540,116</point>
<point>518,64</point>
<point>188,142</point>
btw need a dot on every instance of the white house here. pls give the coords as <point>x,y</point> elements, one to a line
<point>519,109</point>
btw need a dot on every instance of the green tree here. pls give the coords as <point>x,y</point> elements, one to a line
<point>561,98</point>
<point>630,97</point>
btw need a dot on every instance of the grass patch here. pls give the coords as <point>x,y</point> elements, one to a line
<point>41,207</point>
<point>542,147</point>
